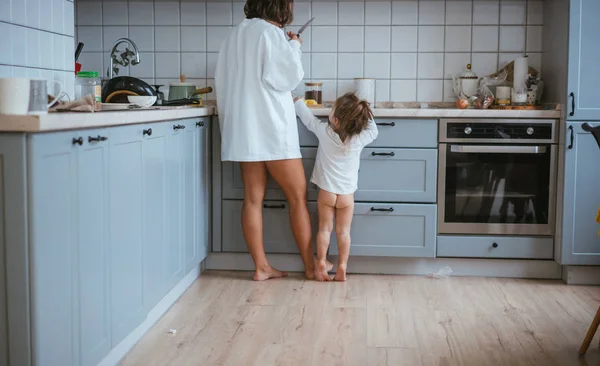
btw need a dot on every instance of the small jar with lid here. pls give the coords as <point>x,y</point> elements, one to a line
<point>88,83</point>
<point>314,91</point>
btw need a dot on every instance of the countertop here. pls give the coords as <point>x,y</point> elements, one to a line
<point>77,120</point>
<point>72,121</point>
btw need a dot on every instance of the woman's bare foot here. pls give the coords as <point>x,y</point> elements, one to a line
<point>321,271</point>
<point>267,273</point>
<point>340,274</point>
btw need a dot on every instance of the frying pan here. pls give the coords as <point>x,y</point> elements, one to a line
<point>117,89</point>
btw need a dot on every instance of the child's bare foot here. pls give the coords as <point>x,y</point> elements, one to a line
<point>267,273</point>
<point>321,271</point>
<point>328,265</point>
<point>340,274</point>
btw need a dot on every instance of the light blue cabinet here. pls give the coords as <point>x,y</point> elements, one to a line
<point>580,240</point>
<point>392,230</point>
<point>584,53</point>
<point>174,219</point>
<point>203,177</point>
<point>191,194</point>
<point>126,244</point>
<point>92,255</point>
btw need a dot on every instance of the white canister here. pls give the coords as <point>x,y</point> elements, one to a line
<point>14,95</point>
<point>365,89</point>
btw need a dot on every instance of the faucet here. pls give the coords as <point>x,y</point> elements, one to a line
<point>125,56</point>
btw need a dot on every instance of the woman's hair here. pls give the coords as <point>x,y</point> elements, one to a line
<point>353,115</point>
<point>278,11</point>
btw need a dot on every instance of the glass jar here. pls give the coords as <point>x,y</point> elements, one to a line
<point>88,83</point>
<point>314,91</point>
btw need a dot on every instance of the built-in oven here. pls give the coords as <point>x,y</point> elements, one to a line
<point>497,177</point>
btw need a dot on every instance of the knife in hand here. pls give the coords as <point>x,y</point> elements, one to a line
<point>304,26</point>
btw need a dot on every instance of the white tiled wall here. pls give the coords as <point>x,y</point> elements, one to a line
<point>411,47</point>
<point>37,40</point>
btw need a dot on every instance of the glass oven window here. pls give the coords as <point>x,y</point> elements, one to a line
<point>500,188</point>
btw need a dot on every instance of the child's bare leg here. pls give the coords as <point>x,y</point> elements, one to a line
<point>344,210</point>
<point>326,208</point>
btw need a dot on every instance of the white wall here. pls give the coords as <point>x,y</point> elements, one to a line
<point>411,47</point>
<point>37,40</point>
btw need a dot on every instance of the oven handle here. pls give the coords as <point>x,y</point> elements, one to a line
<point>499,149</point>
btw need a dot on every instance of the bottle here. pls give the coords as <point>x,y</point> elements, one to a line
<point>88,83</point>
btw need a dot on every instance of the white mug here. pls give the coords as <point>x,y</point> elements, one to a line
<point>14,95</point>
<point>38,95</point>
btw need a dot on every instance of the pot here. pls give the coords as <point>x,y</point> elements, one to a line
<point>116,90</point>
<point>465,85</point>
<point>183,90</point>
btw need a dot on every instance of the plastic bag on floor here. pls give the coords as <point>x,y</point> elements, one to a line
<point>444,272</point>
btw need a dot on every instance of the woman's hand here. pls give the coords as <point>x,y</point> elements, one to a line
<point>294,36</point>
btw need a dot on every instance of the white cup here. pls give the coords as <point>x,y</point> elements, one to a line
<point>14,95</point>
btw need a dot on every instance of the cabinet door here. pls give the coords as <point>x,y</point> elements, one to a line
<point>580,241</point>
<point>397,175</point>
<point>154,147</point>
<point>233,185</point>
<point>584,52</point>
<point>277,232</point>
<point>3,303</point>
<point>126,246</point>
<point>388,230</point>
<point>204,179</point>
<point>174,167</point>
<point>191,137</point>
<point>93,250</point>
<point>53,263</point>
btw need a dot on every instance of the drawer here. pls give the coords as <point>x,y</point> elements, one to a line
<point>407,230</point>
<point>495,247</point>
<point>406,133</point>
<point>306,137</point>
<point>277,232</point>
<point>397,175</point>
<point>233,186</point>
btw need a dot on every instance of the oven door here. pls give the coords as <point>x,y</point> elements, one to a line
<point>496,189</point>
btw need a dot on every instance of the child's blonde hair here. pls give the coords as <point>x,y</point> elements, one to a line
<point>353,115</point>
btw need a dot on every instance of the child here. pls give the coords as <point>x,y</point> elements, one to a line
<point>350,129</point>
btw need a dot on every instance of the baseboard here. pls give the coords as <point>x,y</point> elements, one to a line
<point>581,275</point>
<point>535,269</point>
<point>117,353</point>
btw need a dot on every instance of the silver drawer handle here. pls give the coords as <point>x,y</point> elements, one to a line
<point>499,149</point>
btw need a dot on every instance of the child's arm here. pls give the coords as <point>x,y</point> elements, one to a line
<point>369,134</point>
<point>311,122</point>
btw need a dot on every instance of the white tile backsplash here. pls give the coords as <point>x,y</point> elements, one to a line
<point>5,17</point>
<point>412,47</point>
<point>345,86</point>
<point>5,44</point>
<point>33,13</point>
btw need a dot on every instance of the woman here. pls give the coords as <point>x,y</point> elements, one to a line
<point>256,71</point>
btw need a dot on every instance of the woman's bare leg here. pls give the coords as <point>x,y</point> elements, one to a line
<point>289,174</point>
<point>326,209</point>
<point>344,210</point>
<point>254,175</point>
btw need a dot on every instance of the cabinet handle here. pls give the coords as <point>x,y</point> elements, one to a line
<point>572,113</point>
<point>147,132</point>
<point>373,209</point>
<point>279,207</point>
<point>97,139</point>
<point>78,141</point>
<point>391,124</point>
<point>200,124</point>
<point>383,154</point>
<point>495,245</point>
<point>572,137</point>
<point>178,127</point>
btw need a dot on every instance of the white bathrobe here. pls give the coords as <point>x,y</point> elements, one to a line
<point>256,71</point>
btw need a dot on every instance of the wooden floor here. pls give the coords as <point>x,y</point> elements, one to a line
<point>226,319</point>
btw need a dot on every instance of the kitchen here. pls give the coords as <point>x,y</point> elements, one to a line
<point>408,184</point>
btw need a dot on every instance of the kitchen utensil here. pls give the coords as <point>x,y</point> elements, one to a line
<point>117,89</point>
<point>142,100</point>
<point>38,96</point>
<point>465,86</point>
<point>183,90</point>
<point>14,95</point>
<point>305,26</point>
<point>159,94</point>
<point>78,51</point>
<point>365,89</point>
<point>181,102</point>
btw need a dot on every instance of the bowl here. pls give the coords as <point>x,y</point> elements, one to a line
<point>143,101</point>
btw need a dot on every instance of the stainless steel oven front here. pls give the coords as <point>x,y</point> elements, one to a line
<point>497,177</point>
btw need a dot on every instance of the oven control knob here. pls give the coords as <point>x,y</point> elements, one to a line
<point>530,131</point>
<point>468,130</point>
